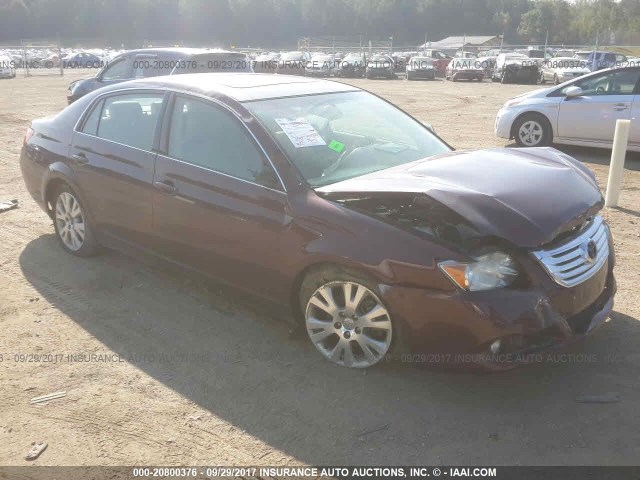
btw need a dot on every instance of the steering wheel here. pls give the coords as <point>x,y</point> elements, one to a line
<point>600,89</point>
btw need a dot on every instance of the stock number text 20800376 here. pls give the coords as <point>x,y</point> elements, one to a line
<point>214,65</point>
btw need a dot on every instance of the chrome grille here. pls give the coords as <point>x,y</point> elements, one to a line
<point>576,260</point>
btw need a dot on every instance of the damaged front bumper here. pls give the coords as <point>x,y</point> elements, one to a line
<point>499,329</point>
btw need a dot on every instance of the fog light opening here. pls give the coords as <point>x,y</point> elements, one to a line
<point>496,347</point>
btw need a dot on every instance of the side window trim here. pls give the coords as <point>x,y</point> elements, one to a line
<point>635,91</point>
<point>166,131</point>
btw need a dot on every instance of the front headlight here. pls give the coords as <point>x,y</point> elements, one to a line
<point>494,270</point>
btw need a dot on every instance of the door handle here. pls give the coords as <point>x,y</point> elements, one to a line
<point>619,107</point>
<point>80,158</point>
<point>166,187</point>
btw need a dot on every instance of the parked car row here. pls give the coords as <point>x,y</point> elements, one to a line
<point>7,68</point>
<point>43,58</point>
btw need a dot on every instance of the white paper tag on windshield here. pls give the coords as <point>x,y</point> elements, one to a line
<point>300,132</point>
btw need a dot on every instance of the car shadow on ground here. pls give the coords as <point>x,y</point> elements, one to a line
<point>234,357</point>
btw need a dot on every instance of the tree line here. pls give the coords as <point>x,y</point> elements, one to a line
<point>279,23</point>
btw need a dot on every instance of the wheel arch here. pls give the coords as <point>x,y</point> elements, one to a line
<point>544,117</point>
<point>61,174</point>
<point>294,294</point>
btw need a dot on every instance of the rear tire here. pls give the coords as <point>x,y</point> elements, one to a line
<point>71,223</point>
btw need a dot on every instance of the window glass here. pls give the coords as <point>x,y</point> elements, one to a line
<point>333,137</point>
<point>130,119</point>
<point>91,124</point>
<point>120,70</point>
<point>208,136</point>
<point>622,82</point>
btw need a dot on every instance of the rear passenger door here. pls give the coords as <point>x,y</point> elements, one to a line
<point>219,205</point>
<point>113,157</point>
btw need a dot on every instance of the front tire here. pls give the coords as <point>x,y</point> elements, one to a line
<point>73,228</point>
<point>532,130</point>
<point>346,319</point>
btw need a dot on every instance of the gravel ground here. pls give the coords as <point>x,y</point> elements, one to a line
<point>189,372</point>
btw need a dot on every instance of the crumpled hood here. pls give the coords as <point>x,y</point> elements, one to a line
<point>526,196</point>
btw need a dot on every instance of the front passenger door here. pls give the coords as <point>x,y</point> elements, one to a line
<point>606,98</point>
<point>219,205</point>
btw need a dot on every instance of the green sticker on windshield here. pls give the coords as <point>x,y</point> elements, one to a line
<point>336,146</point>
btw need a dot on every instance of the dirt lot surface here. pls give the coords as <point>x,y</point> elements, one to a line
<point>207,376</point>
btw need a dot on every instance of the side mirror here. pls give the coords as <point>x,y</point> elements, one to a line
<point>573,92</point>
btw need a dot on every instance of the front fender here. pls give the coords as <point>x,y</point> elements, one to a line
<point>550,112</point>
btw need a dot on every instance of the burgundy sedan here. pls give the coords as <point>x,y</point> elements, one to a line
<point>330,200</point>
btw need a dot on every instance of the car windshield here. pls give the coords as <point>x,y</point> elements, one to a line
<point>515,57</point>
<point>337,136</point>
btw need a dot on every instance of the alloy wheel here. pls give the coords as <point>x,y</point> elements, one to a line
<point>530,133</point>
<point>348,324</point>
<point>70,221</point>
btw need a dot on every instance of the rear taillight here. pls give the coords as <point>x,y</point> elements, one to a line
<point>28,135</point>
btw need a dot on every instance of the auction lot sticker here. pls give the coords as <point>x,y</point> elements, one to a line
<point>300,132</point>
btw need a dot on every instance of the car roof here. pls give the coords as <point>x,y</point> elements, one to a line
<point>242,87</point>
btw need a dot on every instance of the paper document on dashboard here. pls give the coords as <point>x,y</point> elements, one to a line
<point>300,132</point>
